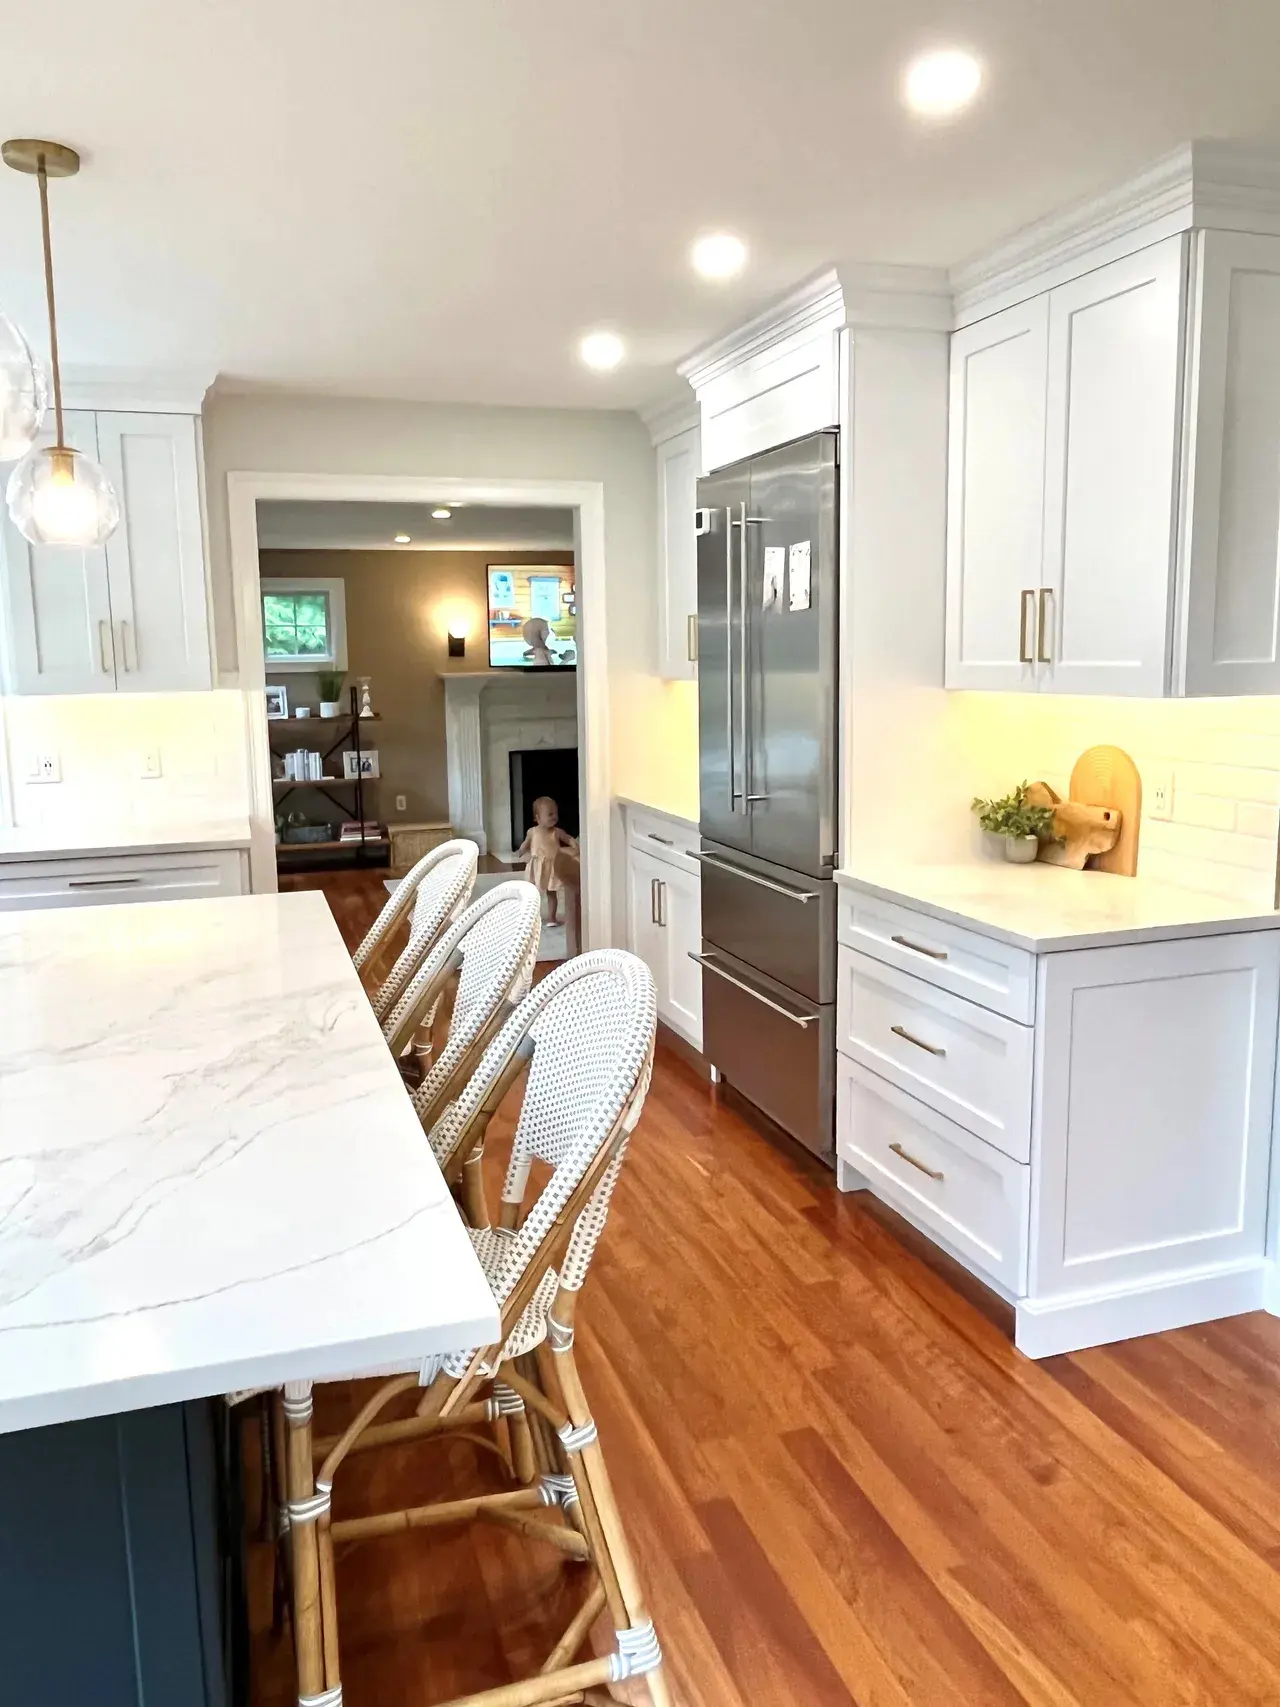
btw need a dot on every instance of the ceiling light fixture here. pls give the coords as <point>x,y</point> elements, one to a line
<point>719,255</point>
<point>941,83</point>
<point>602,350</point>
<point>56,495</point>
<point>402,539</point>
<point>441,515</point>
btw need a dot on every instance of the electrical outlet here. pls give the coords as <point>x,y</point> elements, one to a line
<point>45,768</point>
<point>402,801</point>
<point>149,765</point>
<point>1159,796</point>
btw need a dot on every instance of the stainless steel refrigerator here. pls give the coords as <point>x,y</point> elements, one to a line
<point>767,691</point>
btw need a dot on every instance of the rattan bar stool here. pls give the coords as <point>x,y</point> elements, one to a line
<point>441,882</point>
<point>585,1037</point>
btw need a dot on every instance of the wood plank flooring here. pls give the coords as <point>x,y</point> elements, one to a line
<point>843,1483</point>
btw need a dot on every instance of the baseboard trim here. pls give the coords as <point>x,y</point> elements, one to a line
<point>679,1045</point>
<point>1271,1289</point>
<point>1049,1326</point>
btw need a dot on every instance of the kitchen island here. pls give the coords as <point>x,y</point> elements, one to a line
<point>211,1178</point>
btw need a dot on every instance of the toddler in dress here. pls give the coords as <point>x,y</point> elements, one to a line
<point>539,848</point>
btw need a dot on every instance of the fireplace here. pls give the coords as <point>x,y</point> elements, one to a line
<point>543,770</point>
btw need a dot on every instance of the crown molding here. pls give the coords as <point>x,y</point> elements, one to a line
<point>137,391</point>
<point>676,412</point>
<point>896,298</point>
<point>816,305</point>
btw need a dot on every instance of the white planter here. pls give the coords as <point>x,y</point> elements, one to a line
<point>331,708</point>
<point>1020,850</point>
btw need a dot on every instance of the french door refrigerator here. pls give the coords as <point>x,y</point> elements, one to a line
<point>767,691</point>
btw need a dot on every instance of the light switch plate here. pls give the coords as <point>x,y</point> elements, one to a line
<point>45,767</point>
<point>1158,794</point>
<point>149,765</point>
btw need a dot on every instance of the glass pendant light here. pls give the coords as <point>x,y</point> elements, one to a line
<point>56,495</point>
<point>24,393</point>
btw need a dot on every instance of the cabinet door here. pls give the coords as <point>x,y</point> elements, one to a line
<point>1152,1120</point>
<point>1231,549</point>
<point>995,497</point>
<point>680,922</point>
<point>679,464</point>
<point>155,558</point>
<point>58,615</point>
<point>1112,435</point>
<point>643,876</point>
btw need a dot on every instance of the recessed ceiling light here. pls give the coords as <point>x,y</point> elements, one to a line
<point>939,84</point>
<point>601,350</point>
<point>719,255</point>
<point>441,515</point>
<point>402,539</point>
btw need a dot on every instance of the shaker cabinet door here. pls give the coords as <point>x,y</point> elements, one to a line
<point>679,464</point>
<point>155,558</point>
<point>644,873</point>
<point>1113,431</point>
<point>995,498</point>
<point>680,912</point>
<point>57,614</point>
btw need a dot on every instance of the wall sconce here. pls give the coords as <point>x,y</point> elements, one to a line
<point>457,643</point>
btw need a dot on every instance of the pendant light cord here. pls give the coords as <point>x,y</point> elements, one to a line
<point>42,178</point>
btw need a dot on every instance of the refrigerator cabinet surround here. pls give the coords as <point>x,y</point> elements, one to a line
<point>767,683</point>
<point>781,922</point>
<point>781,1049</point>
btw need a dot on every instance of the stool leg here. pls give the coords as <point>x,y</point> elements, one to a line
<point>305,1560</point>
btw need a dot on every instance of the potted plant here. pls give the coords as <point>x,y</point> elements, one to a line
<point>331,696</point>
<point>1020,826</point>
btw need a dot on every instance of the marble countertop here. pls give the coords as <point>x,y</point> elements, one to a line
<point>121,839</point>
<point>1044,908</point>
<point>211,1176</point>
<point>658,811</point>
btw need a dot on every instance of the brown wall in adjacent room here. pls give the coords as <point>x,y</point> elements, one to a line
<point>399,604</point>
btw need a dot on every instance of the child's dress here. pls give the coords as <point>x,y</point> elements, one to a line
<point>541,869</point>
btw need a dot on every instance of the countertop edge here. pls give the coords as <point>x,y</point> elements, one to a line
<point>633,805</point>
<point>233,838</point>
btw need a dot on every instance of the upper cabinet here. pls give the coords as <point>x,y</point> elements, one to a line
<point>679,465</point>
<point>1113,513</point>
<point>130,616</point>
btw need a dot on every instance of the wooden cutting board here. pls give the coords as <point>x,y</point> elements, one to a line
<point>1107,776</point>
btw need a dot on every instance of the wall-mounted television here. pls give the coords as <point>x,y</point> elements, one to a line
<point>533,616</point>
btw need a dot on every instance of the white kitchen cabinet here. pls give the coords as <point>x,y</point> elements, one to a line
<point>1102,1156</point>
<point>130,616</point>
<point>995,497</point>
<point>679,465</point>
<point>87,880</point>
<point>664,907</point>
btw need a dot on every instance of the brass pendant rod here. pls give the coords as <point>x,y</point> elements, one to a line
<point>42,178</point>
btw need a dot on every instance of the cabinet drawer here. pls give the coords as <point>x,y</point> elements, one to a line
<point>992,973</point>
<point>941,1177</point>
<point>665,838</point>
<point>962,1059</point>
<point>91,882</point>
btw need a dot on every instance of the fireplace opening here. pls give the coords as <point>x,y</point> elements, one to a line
<point>543,770</point>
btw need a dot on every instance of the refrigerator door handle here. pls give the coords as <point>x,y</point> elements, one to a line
<point>709,965</point>
<point>728,641</point>
<point>743,662</point>
<point>752,877</point>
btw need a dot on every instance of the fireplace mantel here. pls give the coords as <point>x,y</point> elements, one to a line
<point>466,744</point>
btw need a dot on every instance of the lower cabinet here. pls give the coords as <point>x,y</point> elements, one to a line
<point>664,918</point>
<point>94,880</point>
<point>1105,1166</point>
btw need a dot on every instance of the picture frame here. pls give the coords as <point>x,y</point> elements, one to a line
<point>366,760</point>
<point>277,701</point>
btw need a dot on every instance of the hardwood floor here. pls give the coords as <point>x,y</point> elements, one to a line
<point>843,1484</point>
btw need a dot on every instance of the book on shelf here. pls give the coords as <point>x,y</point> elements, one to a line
<point>352,827</point>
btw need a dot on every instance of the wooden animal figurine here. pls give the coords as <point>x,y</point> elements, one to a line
<point>540,847</point>
<point>1085,831</point>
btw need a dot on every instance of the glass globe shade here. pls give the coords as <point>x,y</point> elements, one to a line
<point>24,393</point>
<point>62,497</point>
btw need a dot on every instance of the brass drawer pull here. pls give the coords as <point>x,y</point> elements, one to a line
<point>924,1168</point>
<point>1043,655</point>
<point>102,882</point>
<point>919,948</point>
<point>691,646</point>
<point>1024,643</point>
<point>905,1035</point>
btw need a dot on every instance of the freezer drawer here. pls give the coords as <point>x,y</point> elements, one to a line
<point>777,920</point>
<point>774,1047</point>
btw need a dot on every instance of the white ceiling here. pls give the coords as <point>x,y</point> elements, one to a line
<point>284,526</point>
<point>435,198</point>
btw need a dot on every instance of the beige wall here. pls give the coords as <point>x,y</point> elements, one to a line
<point>653,725</point>
<point>399,605</point>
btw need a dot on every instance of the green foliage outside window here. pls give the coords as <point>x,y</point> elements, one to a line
<point>296,625</point>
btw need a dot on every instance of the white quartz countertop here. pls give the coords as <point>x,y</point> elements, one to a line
<point>1045,908</point>
<point>121,839</point>
<point>211,1176</point>
<point>658,811</point>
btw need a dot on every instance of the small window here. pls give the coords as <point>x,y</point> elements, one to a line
<point>304,623</point>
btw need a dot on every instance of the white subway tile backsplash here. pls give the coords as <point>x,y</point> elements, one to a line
<point>1255,820</point>
<point>1228,781</point>
<point>1210,811</point>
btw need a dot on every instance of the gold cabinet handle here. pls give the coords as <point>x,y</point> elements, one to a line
<point>1024,637</point>
<point>907,1037</point>
<point>1043,655</point>
<point>692,637</point>
<point>662,904</point>
<point>653,900</point>
<point>103,657</point>
<point>919,948</point>
<point>924,1168</point>
<point>124,645</point>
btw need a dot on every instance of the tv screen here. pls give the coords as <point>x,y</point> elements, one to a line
<point>533,616</point>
